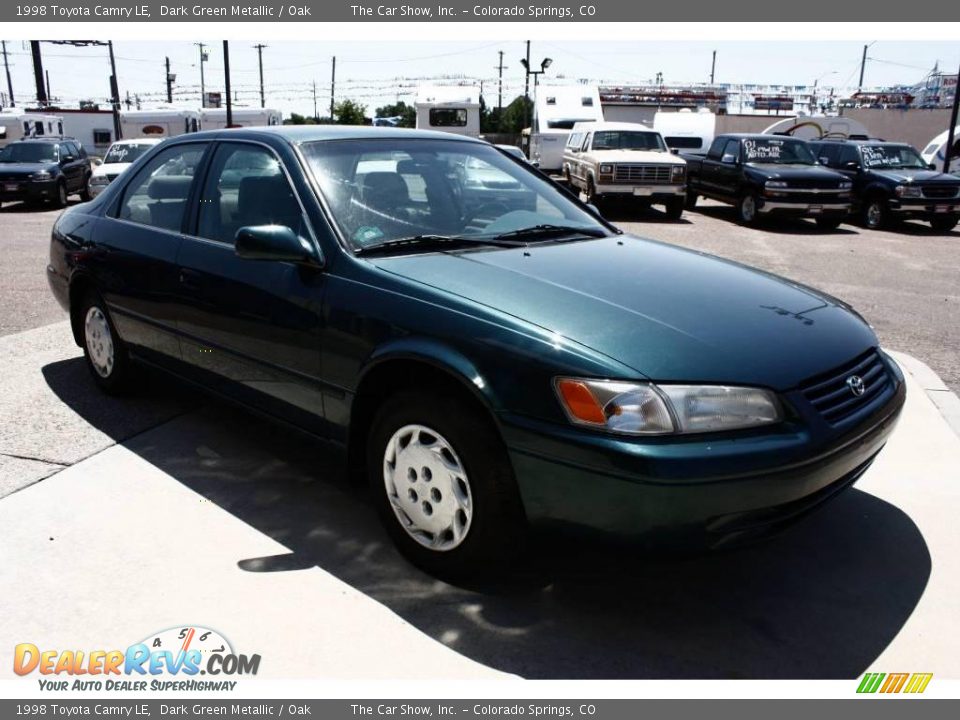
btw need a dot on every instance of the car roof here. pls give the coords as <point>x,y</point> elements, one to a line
<point>858,141</point>
<point>47,139</point>
<point>296,134</point>
<point>756,136</point>
<point>603,125</point>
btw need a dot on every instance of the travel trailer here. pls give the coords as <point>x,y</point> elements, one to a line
<point>820,127</point>
<point>686,130</point>
<point>935,152</point>
<point>555,111</point>
<point>216,118</point>
<point>16,124</point>
<point>449,108</point>
<point>161,123</point>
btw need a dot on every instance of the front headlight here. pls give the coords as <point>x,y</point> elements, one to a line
<point>678,172</point>
<point>99,180</point>
<point>40,176</point>
<point>775,184</point>
<point>606,169</point>
<point>846,185</point>
<point>649,409</point>
<point>908,191</point>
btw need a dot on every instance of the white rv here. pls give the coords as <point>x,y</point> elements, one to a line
<point>936,151</point>
<point>686,130</point>
<point>16,124</point>
<point>555,111</point>
<point>450,108</point>
<point>160,123</point>
<point>216,118</point>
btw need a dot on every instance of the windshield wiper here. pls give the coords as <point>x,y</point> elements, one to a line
<point>546,230</point>
<point>430,241</point>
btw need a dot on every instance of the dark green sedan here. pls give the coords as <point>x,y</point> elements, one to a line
<point>492,354</point>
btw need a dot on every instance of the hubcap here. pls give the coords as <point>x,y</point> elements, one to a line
<point>873,215</point>
<point>427,487</point>
<point>748,208</point>
<point>99,342</point>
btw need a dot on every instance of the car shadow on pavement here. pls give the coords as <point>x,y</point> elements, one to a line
<point>779,226</point>
<point>819,601</point>
<point>614,211</point>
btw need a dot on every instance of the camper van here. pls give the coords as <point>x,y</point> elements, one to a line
<point>18,124</point>
<point>686,130</point>
<point>216,118</point>
<point>555,111</point>
<point>160,123</point>
<point>454,109</point>
<point>935,152</point>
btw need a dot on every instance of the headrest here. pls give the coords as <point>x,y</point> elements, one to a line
<point>169,187</point>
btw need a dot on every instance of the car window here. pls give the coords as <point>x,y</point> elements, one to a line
<point>827,152</point>
<point>385,189</point>
<point>71,149</point>
<point>848,154</point>
<point>716,148</point>
<point>28,152</point>
<point>246,186</point>
<point>732,148</point>
<point>157,195</point>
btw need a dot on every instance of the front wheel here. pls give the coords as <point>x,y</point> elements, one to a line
<point>85,195</point>
<point>674,208</point>
<point>443,485</point>
<point>104,351</point>
<point>747,209</point>
<point>60,200</point>
<point>875,215</point>
<point>829,224</point>
<point>690,200</point>
<point>944,224</point>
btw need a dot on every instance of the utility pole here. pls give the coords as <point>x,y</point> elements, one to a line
<point>526,88</point>
<point>128,101</point>
<point>500,68</point>
<point>114,94</point>
<point>169,84</point>
<point>49,94</point>
<point>203,59</point>
<point>260,47</point>
<point>863,64</point>
<point>226,75</point>
<point>38,73</point>
<point>333,85</point>
<point>6,66</point>
<point>713,67</point>
<point>316,117</point>
<point>953,126</point>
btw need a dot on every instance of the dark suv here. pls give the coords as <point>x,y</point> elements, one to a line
<point>44,169</point>
<point>891,181</point>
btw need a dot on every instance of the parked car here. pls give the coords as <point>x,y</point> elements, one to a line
<point>625,160</point>
<point>513,150</point>
<point>118,158</point>
<point>892,181</point>
<point>537,369</point>
<point>44,170</point>
<point>766,175</point>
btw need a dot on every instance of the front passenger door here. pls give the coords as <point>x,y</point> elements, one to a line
<point>251,328</point>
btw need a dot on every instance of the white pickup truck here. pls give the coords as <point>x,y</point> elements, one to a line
<point>605,160</point>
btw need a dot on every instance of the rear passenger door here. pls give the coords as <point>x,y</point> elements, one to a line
<point>137,244</point>
<point>251,328</point>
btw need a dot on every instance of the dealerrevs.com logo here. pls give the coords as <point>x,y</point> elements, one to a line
<point>172,659</point>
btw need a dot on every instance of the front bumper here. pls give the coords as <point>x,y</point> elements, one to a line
<point>696,491</point>
<point>803,209</point>
<point>925,209</point>
<point>653,193</point>
<point>27,190</point>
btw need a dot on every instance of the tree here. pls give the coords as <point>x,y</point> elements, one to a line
<point>297,119</point>
<point>406,113</point>
<point>348,112</point>
<point>515,115</point>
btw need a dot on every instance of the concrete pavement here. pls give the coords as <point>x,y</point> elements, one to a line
<point>158,511</point>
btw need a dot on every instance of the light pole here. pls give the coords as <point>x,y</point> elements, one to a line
<point>863,63</point>
<point>203,58</point>
<point>543,68</point>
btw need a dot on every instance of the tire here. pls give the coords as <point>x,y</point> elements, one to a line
<point>874,214</point>
<point>690,201</point>
<point>60,200</point>
<point>747,209</point>
<point>85,195</point>
<point>106,356</point>
<point>944,224</point>
<point>829,224</point>
<point>590,193</point>
<point>464,524</point>
<point>674,208</point>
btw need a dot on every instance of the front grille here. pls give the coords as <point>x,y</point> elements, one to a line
<point>832,397</point>
<point>811,183</point>
<point>653,174</point>
<point>939,192</point>
<point>12,178</point>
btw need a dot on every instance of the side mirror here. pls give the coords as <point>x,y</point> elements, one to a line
<point>729,159</point>
<point>931,166</point>
<point>272,242</point>
<point>824,160</point>
<point>67,159</point>
<point>674,151</point>
<point>852,165</point>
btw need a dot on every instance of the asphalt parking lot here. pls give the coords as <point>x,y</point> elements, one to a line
<point>146,496</point>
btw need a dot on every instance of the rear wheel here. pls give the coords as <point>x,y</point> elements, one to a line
<point>747,209</point>
<point>674,208</point>
<point>829,224</point>
<point>104,351</point>
<point>443,485</point>
<point>874,214</point>
<point>944,224</point>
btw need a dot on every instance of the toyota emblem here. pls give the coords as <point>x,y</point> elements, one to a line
<point>855,383</point>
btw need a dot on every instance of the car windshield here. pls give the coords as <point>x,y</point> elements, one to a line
<point>890,157</point>
<point>627,140</point>
<point>122,153</point>
<point>379,190</point>
<point>32,152</point>
<point>777,151</point>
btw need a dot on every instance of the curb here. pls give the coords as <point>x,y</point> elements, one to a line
<point>940,395</point>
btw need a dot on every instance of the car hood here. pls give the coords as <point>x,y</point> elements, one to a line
<point>774,171</point>
<point>637,156</point>
<point>110,168</point>
<point>25,168</point>
<point>918,176</point>
<point>668,313</point>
